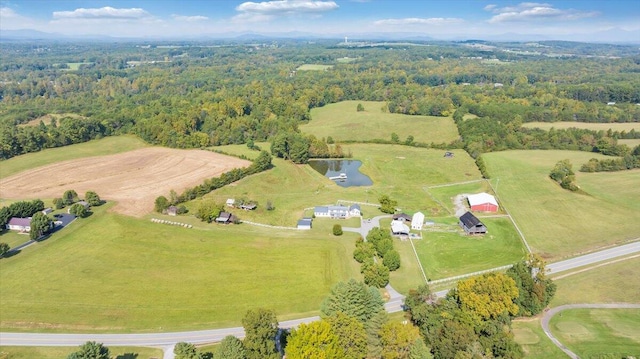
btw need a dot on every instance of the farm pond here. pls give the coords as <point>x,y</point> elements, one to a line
<point>344,173</point>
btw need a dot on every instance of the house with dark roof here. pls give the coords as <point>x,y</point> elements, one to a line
<point>226,218</point>
<point>248,206</point>
<point>471,224</point>
<point>19,224</point>
<point>401,217</point>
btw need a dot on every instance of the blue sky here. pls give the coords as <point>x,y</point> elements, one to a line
<point>575,20</point>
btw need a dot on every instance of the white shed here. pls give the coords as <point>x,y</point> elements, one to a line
<point>417,221</point>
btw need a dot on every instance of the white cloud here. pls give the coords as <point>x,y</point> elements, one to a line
<point>11,20</point>
<point>421,21</point>
<point>185,18</point>
<point>6,12</point>
<point>106,12</point>
<point>529,11</point>
<point>286,7</point>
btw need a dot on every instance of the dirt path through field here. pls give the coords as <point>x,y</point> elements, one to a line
<point>134,179</point>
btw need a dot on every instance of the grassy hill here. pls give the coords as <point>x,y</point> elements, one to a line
<point>559,223</point>
<point>105,146</point>
<point>401,172</point>
<point>342,122</point>
<point>115,273</point>
<point>627,126</point>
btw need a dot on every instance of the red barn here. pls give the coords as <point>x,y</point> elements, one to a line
<point>483,202</point>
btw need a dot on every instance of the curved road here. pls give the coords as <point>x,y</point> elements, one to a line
<point>546,318</point>
<point>167,340</point>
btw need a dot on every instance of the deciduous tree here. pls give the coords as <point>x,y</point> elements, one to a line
<point>4,248</point>
<point>315,340</point>
<point>40,225</point>
<point>397,339</point>
<point>92,198</point>
<point>90,350</point>
<point>231,348</point>
<point>488,296</point>
<point>70,197</point>
<point>78,210</point>
<point>261,328</point>
<point>392,260</point>
<point>351,334</point>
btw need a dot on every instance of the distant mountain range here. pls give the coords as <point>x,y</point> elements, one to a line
<point>620,36</point>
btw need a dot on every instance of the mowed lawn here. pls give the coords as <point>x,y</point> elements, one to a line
<point>593,333</point>
<point>535,344</point>
<point>626,126</point>
<point>558,223</point>
<point>104,146</point>
<point>343,122</point>
<point>613,282</point>
<point>115,273</point>
<point>447,254</point>
<point>63,352</point>
<point>400,172</point>
<point>445,196</point>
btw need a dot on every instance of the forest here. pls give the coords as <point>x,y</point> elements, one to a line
<point>195,95</point>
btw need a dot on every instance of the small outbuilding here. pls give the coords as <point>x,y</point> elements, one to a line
<point>355,211</point>
<point>401,217</point>
<point>399,228</point>
<point>304,223</point>
<point>417,221</point>
<point>249,206</point>
<point>482,202</point>
<point>47,210</point>
<point>172,210</point>
<point>471,224</point>
<point>226,218</point>
<point>230,202</point>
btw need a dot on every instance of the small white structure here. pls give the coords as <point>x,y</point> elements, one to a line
<point>304,223</point>
<point>610,103</point>
<point>417,221</point>
<point>399,228</point>
<point>47,210</point>
<point>231,202</point>
<point>354,210</point>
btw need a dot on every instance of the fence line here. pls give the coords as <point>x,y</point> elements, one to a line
<point>164,221</point>
<point>270,226</point>
<point>524,240</point>
<point>450,279</point>
<point>424,275</point>
<point>363,203</point>
<point>454,184</point>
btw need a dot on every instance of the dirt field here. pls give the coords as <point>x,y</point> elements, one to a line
<point>134,179</point>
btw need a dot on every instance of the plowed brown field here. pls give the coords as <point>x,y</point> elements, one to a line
<point>133,179</point>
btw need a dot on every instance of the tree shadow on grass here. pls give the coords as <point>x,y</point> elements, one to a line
<point>128,356</point>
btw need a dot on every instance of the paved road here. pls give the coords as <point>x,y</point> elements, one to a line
<point>549,314</point>
<point>166,340</point>
<point>592,258</point>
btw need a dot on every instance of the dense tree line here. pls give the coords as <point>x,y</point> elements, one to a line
<point>210,96</point>
<point>20,209</point>
<point>474,319</point>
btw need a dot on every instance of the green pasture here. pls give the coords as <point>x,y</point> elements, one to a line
<point>101,147</point>
<point>112,273</point>
<point>408,276</point>
<point>314,67</point>
<point>13,238</point>
<point>449,252</point>
<point>631,143</point>
<point>536,345</point>
<point>398,171</point>
<point>73,66</point>
<point>616,282</point>
<point>346,60</point>
<point>63,352</point>
<point>625,126</point>
<point>594,333</point>
<point>243,150</point>
<point>343,122</point>
<point>444,196</point>
<point>556,222</point>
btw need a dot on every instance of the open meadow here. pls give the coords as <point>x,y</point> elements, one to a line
<point>446,196</point>
<point>114,273</point>
<point>558,223</point>
<point>314,67</point>
<point>449,252</point>
<point>401,172</point>
<point>134,178</point>
<point>63,352</point>
<point>608,283</point>
<point>630,143</point>
<point>343,122</point>
<point>595,333</point>
<point>102,147</point>
<point>624,126</point>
